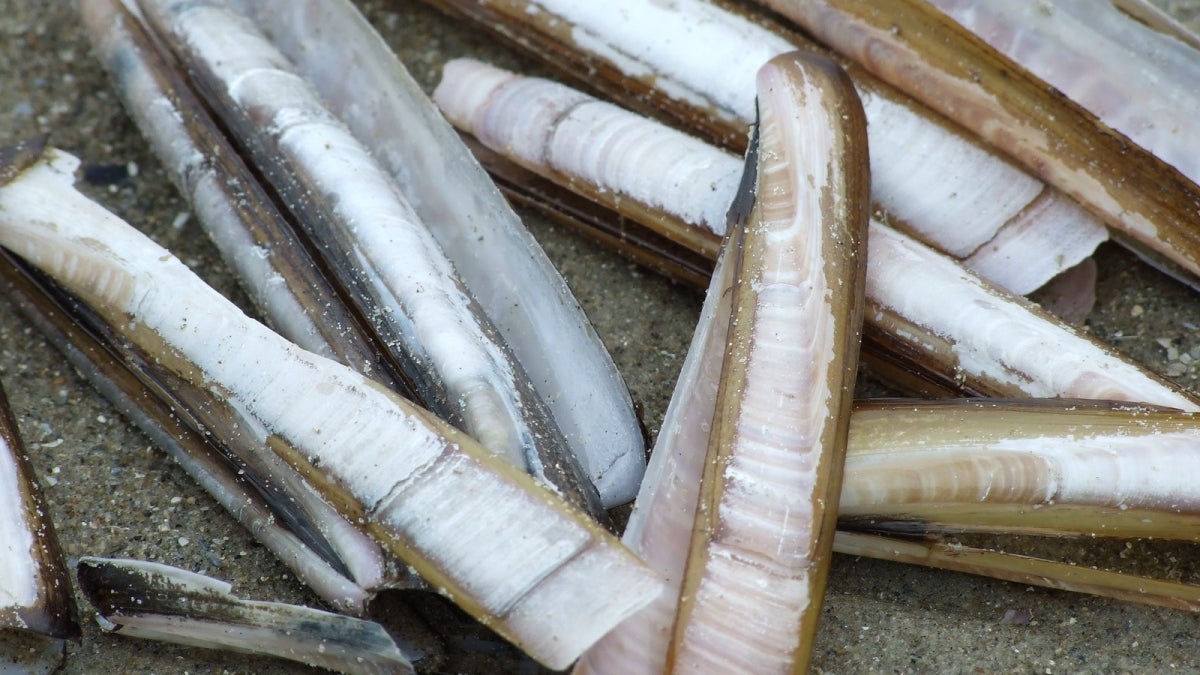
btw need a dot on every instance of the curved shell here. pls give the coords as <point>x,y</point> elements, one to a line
<point>930,179</point>
<point>373,241</point>
<point>763,535</point>
<point>1073,468</point>
<point>1136,79</point>
<point>916,48</point>
<point>554,587</point>
<point>519,289</point>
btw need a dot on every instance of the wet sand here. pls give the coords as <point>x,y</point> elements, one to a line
<point>111,493</point>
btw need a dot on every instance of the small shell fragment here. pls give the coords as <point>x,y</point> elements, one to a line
<point>158,602</point>
<point>37,609</point>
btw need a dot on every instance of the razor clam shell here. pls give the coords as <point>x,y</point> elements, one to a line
<point>921,51</point>
<point>957,214</point>
<point>583,215</point>
<point>505,268</point>
<point>372,240</point>
<point>242,221</point>
<point>1054,468</point>
<point>763,537</point>
<point>956,323</point>
<point>660,527</point>
<point>81,336</point>
<point>927,177</point>
<point>159,602</point>
<point>1134,78</point>
<point>933,317</point>
<point>239,216</point>
<point>1022,570</point>
<point>599,151</point>
<point>35,594</point>
<point>511,553</point>
<point>571,137</point>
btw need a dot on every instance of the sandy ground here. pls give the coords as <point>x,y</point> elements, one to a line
<point>112,494</point>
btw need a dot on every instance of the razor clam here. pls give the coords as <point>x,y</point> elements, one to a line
<point>927,178</point>
<point>968,330</point>
<point>371,239</point>
<point>1020,467</point>
<point>37,609</point>
<point>507,271</point>
<point>943,326</point>
<point>571,139</point>
<point>631,240</point>
<point>281,276</point>
<point>239,216</point>
<point>915,47</point>
<point>508,551</point>
<point>763,536</point>
<point>660,527</point>
<point>159,602</point>
<point>1022,569</point>
<point>124,375</point>
<point>580,142</point>
<point>1104,61</point>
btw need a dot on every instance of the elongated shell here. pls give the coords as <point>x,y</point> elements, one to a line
<point>1137,79</point>
<point>925,312</point>
<point>505,268</point>
<point>660,528</point>
<point>70,328</point>
<point>1022,569</point>
<point>698,61</point>
<point>1013,467</point>
<point>592,145</point>
<point>239,216</point>
<point>763,536</point>
<point>952,322</point>
<point>915,47</point>
<point>508,551</point>
<point>159,602</point>
<point>372,240</point>
<point>36,604</point>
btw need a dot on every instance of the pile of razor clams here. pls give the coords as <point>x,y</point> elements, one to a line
<point>111,492</point>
